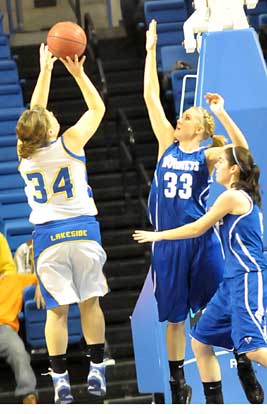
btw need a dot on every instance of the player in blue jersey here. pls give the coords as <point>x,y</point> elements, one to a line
<point>186,273</point>
<point>235,316</point>
<point>67,244</point>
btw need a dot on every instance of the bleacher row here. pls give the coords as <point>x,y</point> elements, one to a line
<point>14,210</point>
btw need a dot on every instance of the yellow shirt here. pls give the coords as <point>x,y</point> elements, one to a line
<point>11,287</point>
<point>7,264</point>
<point>11,297</point>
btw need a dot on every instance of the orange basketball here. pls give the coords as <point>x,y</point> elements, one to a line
<point>66,39</point>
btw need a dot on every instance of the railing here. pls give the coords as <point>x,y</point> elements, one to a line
<point>76,7</point>
<point>92,39</point>
<point>128,158</point>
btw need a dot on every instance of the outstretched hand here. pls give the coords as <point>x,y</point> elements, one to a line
<point>142,236</point>
<point>47,60</point>
<point>151,36</point>
<point>75,67</point>
<point>40,303</point>
<point>215,101</point>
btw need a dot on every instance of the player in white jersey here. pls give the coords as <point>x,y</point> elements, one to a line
<point>236,315</point>
<point>67,244</point>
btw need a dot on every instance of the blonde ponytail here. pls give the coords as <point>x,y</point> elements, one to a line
<point>218,141</point>
<point>209,128</point>
<point>32,131</point>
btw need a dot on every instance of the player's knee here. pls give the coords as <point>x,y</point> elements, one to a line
<point>89,304</point>
<point>199,348</point>
<point>177,327</point>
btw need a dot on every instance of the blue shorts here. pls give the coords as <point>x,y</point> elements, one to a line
<point>186,274</point>
<point>235,316</point>
<point>68,260</point>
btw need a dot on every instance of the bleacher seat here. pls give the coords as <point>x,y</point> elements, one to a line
<point>13,195</point>
<point>10,96</point>
<point>17,231</point>
<point>35,321</point>
<point>171,54</point>
<point>8,140</point>
<point>168,34</point>
<point>8,71</point>
<point>165,11</point>
<point>263,19</point>
<point>8,120</point>
<point>8,153</point>
<point>11,181</point>
<point>170,16</point>
<point>254,14</point>
<point>5,52</point>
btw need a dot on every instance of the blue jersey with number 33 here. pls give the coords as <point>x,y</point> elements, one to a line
<point>180,188</point>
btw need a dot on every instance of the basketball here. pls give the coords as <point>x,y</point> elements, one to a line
<point>66,39</point>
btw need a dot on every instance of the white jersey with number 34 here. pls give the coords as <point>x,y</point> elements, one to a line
<point>56,184</point>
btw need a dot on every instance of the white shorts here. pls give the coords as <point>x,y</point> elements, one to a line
<point>69,259</point>
<point>72,272</point>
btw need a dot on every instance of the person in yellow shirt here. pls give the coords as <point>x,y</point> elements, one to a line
<point>12,348</point>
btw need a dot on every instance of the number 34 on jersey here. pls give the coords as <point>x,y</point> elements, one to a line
<point>61,184</point>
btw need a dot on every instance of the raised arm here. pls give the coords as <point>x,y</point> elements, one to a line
<point>237,137</point>
<point>77,136</point>
<point>162,128</point>
<point>224,204</point>
<point>42,87</point>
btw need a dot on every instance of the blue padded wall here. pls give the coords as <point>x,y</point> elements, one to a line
<point>231,63</point>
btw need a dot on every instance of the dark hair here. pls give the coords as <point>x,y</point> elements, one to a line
<point>32,131</point>
<point>249,172</point>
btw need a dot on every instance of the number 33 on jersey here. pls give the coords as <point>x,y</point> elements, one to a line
<point>180,188</point>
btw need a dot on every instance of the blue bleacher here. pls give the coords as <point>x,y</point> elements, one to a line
<point>8,72</point>
<point>8,153</point>
<point>173,53</point>
<point>35,321</point>
<point>4,47</point>
<point>168,34</point>
<point>10,96</point>
<point>254,14</point>
<point>170,16</point>
<point>166,11</point>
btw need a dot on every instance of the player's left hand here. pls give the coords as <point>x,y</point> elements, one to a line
<point>74,66</point>
<point>40,303</point>
<point>142,236</point>
<point>215,101</point>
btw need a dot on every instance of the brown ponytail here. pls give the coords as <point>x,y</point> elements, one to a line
<point>32,131</point>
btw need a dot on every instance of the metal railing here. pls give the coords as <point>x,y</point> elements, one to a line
<point>76,8</point>
<point>92,39</point>
<point>128,158</point>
